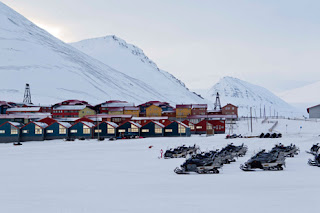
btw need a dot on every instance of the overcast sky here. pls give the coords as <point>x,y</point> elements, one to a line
<point>271,43</point>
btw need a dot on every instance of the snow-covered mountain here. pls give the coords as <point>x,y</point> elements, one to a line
<point>56,71</point>
<point>246,95</point>
<point>132,61</point>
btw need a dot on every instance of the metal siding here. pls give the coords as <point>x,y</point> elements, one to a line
<point>31,136</point>
<point>314,112</point>
<point>55,134</point>
<point>7,137</point>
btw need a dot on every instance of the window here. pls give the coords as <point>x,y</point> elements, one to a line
<point>74,131</point>
<point>181,129</point>
<point>98,130</point>
<point>110,130</point>
<point>86,130</point>
<point>133,128</point>
<point>209,126</point>
<point>62,130</point>
<point>145,130</point>
<point>37,130</point>
<point>49,131</point>
<point>25,131</point>
<point>191,126</point>
<point>199,127</point>
<point>2,131</point>
<point>168,130</point>
<point>122,130</point>
<point>157,129</point>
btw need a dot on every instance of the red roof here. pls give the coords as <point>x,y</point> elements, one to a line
<point>47,120</point>
<point>84,119</point>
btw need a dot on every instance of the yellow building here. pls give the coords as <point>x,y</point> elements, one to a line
<point>86,111</point>
<point>182,111</point>
<point>153,111</point>
<point>134,111</point>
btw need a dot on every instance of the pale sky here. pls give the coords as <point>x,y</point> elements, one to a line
<point>271,43</point>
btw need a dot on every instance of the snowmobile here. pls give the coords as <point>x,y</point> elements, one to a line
<point>181,151</point>
<point>265,160</point>
<point>227,156</point>
<point>316,161</point>
<point>261,135</point>
<point>288,151</point>
<point>267,135</point>
<point>204,163</point>
<point>274,135</point>
<point>314,149</point>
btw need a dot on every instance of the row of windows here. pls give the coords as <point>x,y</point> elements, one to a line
<point>12,132</point>
<point>65,111</point>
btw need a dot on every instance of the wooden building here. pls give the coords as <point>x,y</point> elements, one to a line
<point>128,128</point>
<point>177,129</point>
<point>10,132</point>
<point>314,112</point>
<point>105,129</point>
<point>81,129</point>
<point>57,130</point>
<point>152,129</point>
<point>33,131</point>
<point>230,109</point>
<point>153,111</point>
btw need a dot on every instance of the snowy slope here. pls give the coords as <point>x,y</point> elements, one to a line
<point>246,95</point>
<point>56,71</point>
<point>132,61</point>
<point>303,97</point>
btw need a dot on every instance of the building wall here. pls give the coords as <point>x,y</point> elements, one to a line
<point>125,127</point>
<point>229,109</point>
<point>153,111</point>
<point>86,111</point>
<point>199,111</point>
<point>183,112</point>
<point>103,128</point>
<point>134,113</point>
<point>55,135</point>
<point>30,135</point>
<point>7,136</point>
<point>115,112</point>
<point>314,112</point>
<point>175,133</point>
<point>151,130</point>
<point>79,133</point>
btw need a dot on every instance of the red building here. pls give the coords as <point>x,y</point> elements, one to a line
<point>230,109</point>
<point>199,109</point>
<point>67,111</point>
<point>208,125</point>
<point>72,102</point>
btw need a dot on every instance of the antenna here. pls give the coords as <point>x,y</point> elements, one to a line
<point>27,95</point>
<point>217,104</point>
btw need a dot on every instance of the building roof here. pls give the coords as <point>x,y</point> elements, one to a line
<point>117,104</point>
<point>184,106</point>
<point>70,107</point>
<point>108,116</point>
<point>182,124</point>
<point>112,124</point>
<point>229,105</point>
<point>40,124</point>
<point>88,124</point>
<point>65,124</point>
<point>16,124</point>
<point>24,109</point>
<point>197,106</point>
<point>149,118</point>
<point>4,103</point>
<point>159,124</point>
<point>211,116</point>
<point>312,107</point>
<point>136,124</point>
<point>116,109</point>
<point>25,115</point>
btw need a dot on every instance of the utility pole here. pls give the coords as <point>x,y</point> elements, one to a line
<point>251,117</point>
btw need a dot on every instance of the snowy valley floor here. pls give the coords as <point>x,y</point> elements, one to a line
<point>127,176</point>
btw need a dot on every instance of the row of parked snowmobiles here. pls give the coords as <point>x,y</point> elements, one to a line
<point>269,135</point>
<point>314,150</point>
<point>181,151</point>
<point>234,136</point>
<point>209,162</point>
<point>272,160</point>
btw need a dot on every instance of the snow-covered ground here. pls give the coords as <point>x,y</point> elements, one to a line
<point>127,176</point>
